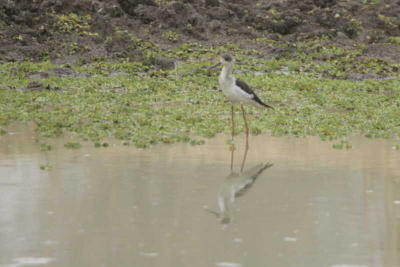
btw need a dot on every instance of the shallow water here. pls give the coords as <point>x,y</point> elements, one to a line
<point>172,205</point>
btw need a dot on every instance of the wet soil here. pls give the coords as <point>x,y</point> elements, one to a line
<point>45,29</point>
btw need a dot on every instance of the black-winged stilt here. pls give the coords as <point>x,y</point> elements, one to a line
<point>237,91</point>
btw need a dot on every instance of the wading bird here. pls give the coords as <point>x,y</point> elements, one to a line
<point>237,91</point>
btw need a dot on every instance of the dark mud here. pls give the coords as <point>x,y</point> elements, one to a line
<point>38,86</point>
<point>56,72</point>
<point>90,30</point>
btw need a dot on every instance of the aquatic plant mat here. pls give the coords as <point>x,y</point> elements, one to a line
<point>145,103</point>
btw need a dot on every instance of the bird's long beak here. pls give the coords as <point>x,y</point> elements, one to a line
<point>214,66</point>
<point>210,69</point>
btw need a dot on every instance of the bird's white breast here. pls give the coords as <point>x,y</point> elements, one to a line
<point>234,93</point>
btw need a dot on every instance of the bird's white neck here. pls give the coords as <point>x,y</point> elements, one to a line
<point>226,73</point>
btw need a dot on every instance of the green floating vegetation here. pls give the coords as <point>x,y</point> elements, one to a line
<point>342,144</point>
<point>143,106</point>
<point>45,147</point>
<point>45,167</point>
<point>98,144</point>
<point>394,40</point>
<point>72,145</point>
<point>197,142</point>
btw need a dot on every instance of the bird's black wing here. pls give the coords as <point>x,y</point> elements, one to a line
<point>245,87</point>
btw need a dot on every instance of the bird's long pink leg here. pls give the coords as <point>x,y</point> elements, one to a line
<point>246,126</point>
<point>232,154</point>
<point>233,122</point>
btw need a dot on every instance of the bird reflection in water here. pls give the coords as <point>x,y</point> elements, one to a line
<point>236,184</point>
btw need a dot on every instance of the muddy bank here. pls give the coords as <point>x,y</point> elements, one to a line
<point>88,30</point>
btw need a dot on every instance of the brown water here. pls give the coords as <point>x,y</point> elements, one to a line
<point>121,206</point>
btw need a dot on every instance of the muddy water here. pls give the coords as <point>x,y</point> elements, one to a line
<point>180,205</point>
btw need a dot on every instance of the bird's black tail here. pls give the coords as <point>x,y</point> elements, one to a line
<point>259,101</point>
